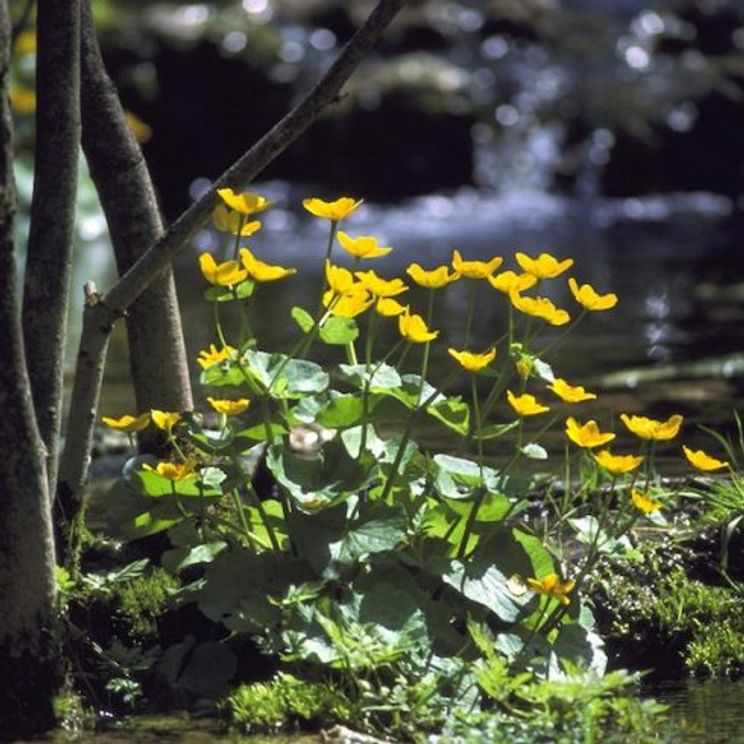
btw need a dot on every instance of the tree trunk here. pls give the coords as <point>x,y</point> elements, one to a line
<point>49,255</point>
<point>29,656</point>
<point>157,351</point>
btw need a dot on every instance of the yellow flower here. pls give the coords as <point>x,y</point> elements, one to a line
<point>525,405</point>
<point>552,586</point>
<point>539,307</point>
<point>340,280</point>
<point>432,279</point>
<point>141,131</point>
<point>380,287</point>
<point>644,502</point>
<point>229,407</point>
<point>245,203</point>
<point>524,367</point>
<point>263,272</point>
<point>618,464</point>
<point>389,307</point>
<point>473,362</point>
<point>25,43</point>
<point>165,420</point>
<point>210,356</point>
<point>334,211</point>
<point>173,471</point>
<point>228,221</point>
<point>413,329</point>
<point>350,304</point>
<point>128,423</point>
<point>22,99</point>
<point>587,296</point>
<point>544,266</point>
<point>474,269</point>
<point>507,281</point>
<point>363,246</point>
<point>570,393</point>
<point>586,435</point>
<point>647,428</point>
<point>703,461</point>
<point>225,274</point>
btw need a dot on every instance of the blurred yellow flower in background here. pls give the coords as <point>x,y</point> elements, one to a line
<point>334,210</point>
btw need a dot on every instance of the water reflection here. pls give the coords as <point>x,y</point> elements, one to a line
<point>707,711</point>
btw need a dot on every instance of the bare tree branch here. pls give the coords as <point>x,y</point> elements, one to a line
<point>49,258</point>
<point>100,317</point>
<point>157,350</point>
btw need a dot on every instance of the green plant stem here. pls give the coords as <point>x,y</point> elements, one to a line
<point>407,435</point>
<point>329,250</point>
<point>237,501</point>
<point>472,288</point>
<point>236,247</point>
<point>218,325</point>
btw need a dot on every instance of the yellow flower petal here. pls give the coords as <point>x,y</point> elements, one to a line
<point>128,423</point>
<point>474,269</point>
<point>229,407</point>
<point>544,266</point>
<point>507,281</point>
<point>363,246</point>
<point>263,272</point>
<point>226,274</point>
<point>647,428</point>
<point>173,471</point>
<point>348,305</point>
<point>586,435</point>
<point>228,221</point>
<point>644,502</point>
<point>380,287</point>
<point>165,420</point>
<point>552,586</point>
<point>390,308</point>
<point>570,393</point>
<point>210,356</point>
<point>413,329</point>
<point>340,280</point>
<point>335,210</point>
<point>525,404</point>
<point>618,464</point>
<point>471,361</point>
<point>539,307</point>
<point>245,203</point>
<point>432,279</point>
<point>703,461</point>
<point>587,296</point>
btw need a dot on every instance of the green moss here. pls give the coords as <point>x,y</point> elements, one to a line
<point>286,702</point>
<point>142,601</point>
<point>654,608</point>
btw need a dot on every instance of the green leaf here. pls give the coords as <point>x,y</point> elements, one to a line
<point>223,294</point>
<point>453,413</point>
<point>493,507</point>
<point>496,430</point>
<point>457,477</point>
<point>327,539</point>
<point>534,451</point>
<point>325,478</point>
<point>341,412</point>
<point>289,378</point>
<point>303,319</point>
<point>379,377</point>
<point>177,559</point>
<point>339,331</point>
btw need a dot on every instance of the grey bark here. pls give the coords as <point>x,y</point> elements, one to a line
<point>100,317</point>
<point>29,662</point>
<point>156,345</point>
<point>49,257</point>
